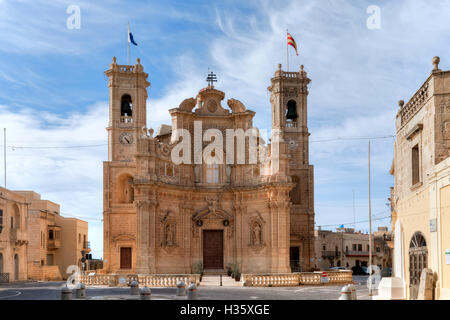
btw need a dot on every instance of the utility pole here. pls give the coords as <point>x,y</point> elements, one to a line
<point>370,235</point>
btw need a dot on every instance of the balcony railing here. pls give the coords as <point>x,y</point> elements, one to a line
<point>53,244</point>
<point>331,254</point>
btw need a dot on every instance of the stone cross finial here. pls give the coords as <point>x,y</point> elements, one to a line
<point>401,103</point>
<point>138,61</point>
<point>279,66</point>
<point>435,62</point>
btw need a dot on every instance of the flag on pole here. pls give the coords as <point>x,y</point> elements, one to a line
<point>130,37</point>
<point>291,41</point>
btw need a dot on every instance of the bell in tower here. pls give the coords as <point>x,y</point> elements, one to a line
<point>291,110</point>
<point>126,108</point>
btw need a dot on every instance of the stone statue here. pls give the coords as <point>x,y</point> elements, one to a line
<point>257,238</point>
<point>169,235</point>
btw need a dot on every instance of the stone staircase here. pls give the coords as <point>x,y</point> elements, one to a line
<point>214,281</point>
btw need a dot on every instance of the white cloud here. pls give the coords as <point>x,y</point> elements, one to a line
<point>71,177</point>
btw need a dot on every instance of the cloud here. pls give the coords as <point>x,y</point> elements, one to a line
<point>70,176</point>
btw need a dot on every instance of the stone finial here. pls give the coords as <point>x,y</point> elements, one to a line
<point>435,62</point>
<point>401,103</point>
<point>302,67</point>
<point>279,66</point>
<point>114,60</point>
<point>138,60</point>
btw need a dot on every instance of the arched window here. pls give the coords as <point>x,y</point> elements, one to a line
<point>126,106</point>
<point>291,113</point>
<point>212,173</point>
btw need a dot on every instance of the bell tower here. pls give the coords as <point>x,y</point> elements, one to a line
<point>289,102</point>
<point>127,109</point>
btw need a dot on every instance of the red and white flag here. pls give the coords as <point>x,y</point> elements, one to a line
<point>291,41</point>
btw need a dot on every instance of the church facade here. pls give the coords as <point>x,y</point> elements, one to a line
<point>163,216</point>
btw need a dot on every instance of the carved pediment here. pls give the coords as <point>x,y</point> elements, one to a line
<point>123,237</point>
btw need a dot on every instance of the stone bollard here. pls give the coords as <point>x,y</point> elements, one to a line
<point>346,293</point>
<point>134,288</point>
<point>146,294</point>
<point>192,292</point>
<point>353,291</point>
<point>80,292</point>
<point>66,293</point>
<point>181,288</point>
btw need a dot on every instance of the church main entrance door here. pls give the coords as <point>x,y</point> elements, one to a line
<point>213,249</point>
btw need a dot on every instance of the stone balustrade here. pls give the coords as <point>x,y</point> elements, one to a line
<point>148,280</point>
<point>296,279</point>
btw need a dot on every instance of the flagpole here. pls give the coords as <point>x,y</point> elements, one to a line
<point>4,151</point>
<point>128,40</point>
<point>370,234</point>
<point>287,52</point>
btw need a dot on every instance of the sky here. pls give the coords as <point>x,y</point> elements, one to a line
<point>54,95</point>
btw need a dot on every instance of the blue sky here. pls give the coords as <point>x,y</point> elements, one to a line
<point>53,91</point>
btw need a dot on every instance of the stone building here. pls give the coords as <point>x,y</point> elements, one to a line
<point>13,236</point>
<point>420,199</point>
<point>35,241</point>
<point>347,248</point>
<point>54,242</point>
<point>162,216</point>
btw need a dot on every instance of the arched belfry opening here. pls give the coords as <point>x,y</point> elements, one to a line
<point>291,113</point>
<point>126,106</point>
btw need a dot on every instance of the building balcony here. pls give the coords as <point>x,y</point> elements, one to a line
<point>53,244</point>
<point>330,254</point>
<point>360,253</point>
<point>18,237</point>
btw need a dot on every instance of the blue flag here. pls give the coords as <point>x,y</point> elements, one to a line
<point>130,37</point>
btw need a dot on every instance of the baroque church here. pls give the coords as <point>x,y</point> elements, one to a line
<point>162,217</point>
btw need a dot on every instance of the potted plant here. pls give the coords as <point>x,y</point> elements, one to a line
<point>197,268</point>
<point>229,269</point>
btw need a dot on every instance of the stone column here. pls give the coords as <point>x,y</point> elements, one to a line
<point>142,238</point>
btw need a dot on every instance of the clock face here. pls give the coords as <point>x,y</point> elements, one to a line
<point>126,138</point>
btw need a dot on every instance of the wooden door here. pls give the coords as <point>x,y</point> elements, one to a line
<point>213,249</point>
<point>125,258</point>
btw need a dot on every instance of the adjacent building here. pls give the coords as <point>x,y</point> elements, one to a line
<point>347,248</point>
<point>420,199</point>
<point>36,242</point>
<point>167,217</point>
<point>13,236</point>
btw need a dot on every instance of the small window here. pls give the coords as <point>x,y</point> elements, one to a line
<point>212,173</point>
<point>359,247</point>
<point>324,247</point>
<point>415,165</point>
<point>368,248</point>
<point>1,220</point>
<point>50,234</point>
<point>354,247</point>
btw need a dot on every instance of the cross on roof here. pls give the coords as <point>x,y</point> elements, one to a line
<point>211,78</point>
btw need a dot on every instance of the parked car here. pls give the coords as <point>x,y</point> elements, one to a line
<point>336,268</point>
<point>386,273</point>
<point>359,271</point>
